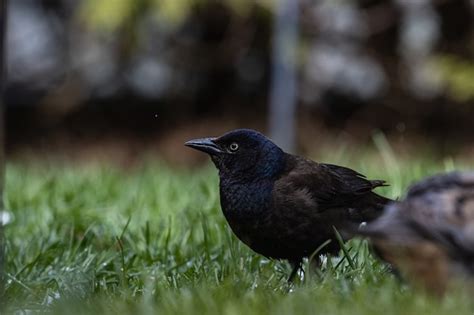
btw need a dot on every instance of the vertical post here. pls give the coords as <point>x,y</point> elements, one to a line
<point>3,24</point>
<point>283,89</point>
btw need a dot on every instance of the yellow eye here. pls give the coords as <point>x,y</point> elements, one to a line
<point>234,147</point>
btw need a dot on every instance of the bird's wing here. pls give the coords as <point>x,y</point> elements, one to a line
<point>328,185</point>
<point>349,181</point>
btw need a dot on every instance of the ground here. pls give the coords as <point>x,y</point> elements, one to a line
<point>98,239</point>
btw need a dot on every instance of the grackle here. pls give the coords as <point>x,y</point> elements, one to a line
<point>429,236</point>
<point>284,206</point>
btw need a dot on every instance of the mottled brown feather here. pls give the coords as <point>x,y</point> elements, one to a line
<point>429,236</point>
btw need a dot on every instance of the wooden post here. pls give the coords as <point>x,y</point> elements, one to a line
<point>283,90</point>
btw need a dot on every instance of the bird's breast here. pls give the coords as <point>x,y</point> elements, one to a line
<point>245,201</point>
<point>245,206</point>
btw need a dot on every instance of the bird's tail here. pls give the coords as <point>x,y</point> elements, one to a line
<point>374,207</point>
<point>372,210</point>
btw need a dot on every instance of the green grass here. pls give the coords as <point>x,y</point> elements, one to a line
<point>100,240</point>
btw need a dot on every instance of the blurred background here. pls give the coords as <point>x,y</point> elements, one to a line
<point>117,78</point>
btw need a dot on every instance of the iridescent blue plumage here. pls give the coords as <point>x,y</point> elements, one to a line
<point>246,179</point>
<point>282,205</point>
<point>257,157</point>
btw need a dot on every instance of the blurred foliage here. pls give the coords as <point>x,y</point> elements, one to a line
<point>110,15</point>
<point>457,74</point>
<point>361,65</point>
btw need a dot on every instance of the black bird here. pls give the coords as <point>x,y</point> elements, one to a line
<point>429,236</point>
<point>284,206</point>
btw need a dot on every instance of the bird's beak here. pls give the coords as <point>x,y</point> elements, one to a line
<point>206,145</point>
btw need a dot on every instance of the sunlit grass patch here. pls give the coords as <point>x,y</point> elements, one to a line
<point>96,239</point>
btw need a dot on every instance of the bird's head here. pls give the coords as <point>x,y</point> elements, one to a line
<point>243,153</point>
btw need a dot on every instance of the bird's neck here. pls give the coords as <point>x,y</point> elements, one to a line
<point>246,195</point>
<point>244,199</point>
<point>267,168</point>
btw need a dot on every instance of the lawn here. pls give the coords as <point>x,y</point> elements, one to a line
<point>96,239</point>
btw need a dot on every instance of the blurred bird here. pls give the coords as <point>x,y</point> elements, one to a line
<point>284,206</point>
<point>429,236</point>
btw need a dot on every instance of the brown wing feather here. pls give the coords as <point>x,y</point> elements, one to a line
<point>329,185</point>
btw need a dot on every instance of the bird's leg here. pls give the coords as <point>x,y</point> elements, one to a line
<point>296,264</point>
<point>314,266</point>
